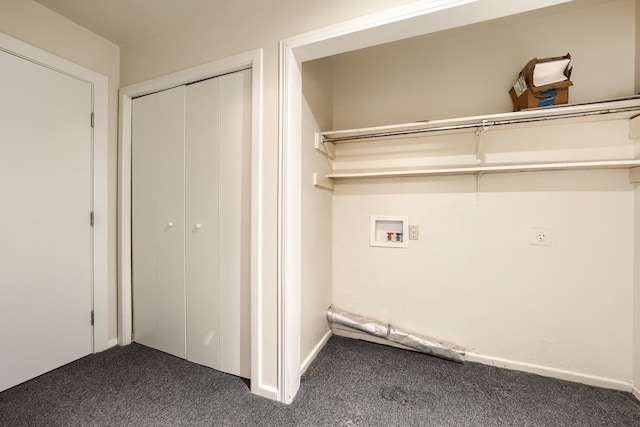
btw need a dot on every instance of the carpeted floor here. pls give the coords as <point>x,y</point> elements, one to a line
<point>352,383</point>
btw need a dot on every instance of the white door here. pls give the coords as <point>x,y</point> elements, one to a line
<point>45,231</point>
<point>157,191</point>
<point>235,223</point>
<point>191,218</point>
<point>218,233</point>
<point>202,213</point>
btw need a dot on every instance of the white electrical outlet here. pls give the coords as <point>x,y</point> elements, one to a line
<point>540,236</point>
<point>414,232</point>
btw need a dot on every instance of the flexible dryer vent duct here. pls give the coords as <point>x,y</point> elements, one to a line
<point>390,333</point>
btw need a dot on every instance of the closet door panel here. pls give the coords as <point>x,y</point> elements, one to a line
<point>203,325</point>
<point>170,221</point>
<point>143,214</point>
<point>234,222</point>
<point>158,221</point>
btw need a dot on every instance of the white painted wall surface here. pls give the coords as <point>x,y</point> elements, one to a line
<point>474,280</point>
<point>34,24</point>
<point>468,71</point>
<point>317,114</point>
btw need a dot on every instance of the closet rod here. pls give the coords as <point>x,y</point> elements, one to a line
<point>482,124</point>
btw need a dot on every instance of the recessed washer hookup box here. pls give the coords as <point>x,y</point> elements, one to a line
<point>389,231</point>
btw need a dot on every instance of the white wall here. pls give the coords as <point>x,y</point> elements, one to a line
<point>317,115</point>
<point>468,71</point>
<point>34,24</point>
<point>473,278</point>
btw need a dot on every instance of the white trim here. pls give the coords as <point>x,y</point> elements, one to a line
<point>414,19</point>
<point>545,371</point>
<point>266,391</point>
<point>410,20</point>
<point>125,325</point>
<point>636,392</point>
<point>113,342</point>
<point>257,227</point>
<point>289,226</point>
<point>252,59</point>
<point>502,363</point>
<point>100,87</point>
<point>314,353</point>
<point>319,43</point>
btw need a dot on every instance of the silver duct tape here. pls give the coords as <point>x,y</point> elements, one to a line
<point>359,323</point>
<point>426,345</point>
<point>388,332</point>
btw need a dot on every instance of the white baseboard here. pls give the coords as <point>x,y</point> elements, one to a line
<point>112,343</point>
<point>267,391</point>
<point>636,392</point>
<point>511,364</point>
<point>546,371</point>
<point>314,353</point>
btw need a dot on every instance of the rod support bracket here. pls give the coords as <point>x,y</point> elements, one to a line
<point>326,148</point>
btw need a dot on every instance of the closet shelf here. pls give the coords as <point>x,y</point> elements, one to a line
<point>624,108</point>
<point>473,170</point>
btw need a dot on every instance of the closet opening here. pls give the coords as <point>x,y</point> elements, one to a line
<point>475,226</point>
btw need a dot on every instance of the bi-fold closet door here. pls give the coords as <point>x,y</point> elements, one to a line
<point>191,222</point>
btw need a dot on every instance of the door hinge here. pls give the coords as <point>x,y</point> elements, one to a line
<point>92,120</point>
<point>92,318</point>
<point>91,219</point>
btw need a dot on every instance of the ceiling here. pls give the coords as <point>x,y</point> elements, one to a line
<point>122,21</point>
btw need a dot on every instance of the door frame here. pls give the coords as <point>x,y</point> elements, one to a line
<point>414,19</point>
<point>99,196</point>
<point>247,60</point>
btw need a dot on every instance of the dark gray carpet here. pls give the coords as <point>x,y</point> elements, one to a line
<point>352,383</point>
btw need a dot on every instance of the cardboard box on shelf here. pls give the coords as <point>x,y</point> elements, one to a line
<point>542,82</point>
